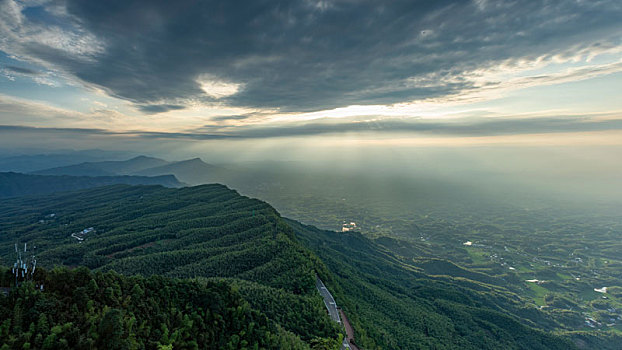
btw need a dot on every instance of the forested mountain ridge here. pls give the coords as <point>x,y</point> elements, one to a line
<point>16,184</point>
<point>213,233</point>
<point>206,231</point>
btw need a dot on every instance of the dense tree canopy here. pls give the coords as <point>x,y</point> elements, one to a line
<point>83,310</point>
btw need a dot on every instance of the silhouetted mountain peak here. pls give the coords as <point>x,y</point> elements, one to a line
<point>141,157</point>
<point>107,168</point>
<point>192,161</point>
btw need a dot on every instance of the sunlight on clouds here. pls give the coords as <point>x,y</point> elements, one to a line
<point>415,109</point>
<point>594,138</point>
<point>217,88</point>
<point>487,84</point>
<point>496,81</point>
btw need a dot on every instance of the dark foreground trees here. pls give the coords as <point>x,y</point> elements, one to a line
<point>83,310</point>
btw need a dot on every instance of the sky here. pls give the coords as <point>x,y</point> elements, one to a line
<point>205,75</point>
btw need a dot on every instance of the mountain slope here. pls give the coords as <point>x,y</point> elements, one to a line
<point>106,168</point>
<point>206,231</point>
<point>214,234</point>
<point>15,184</point>
<point>397,306</point>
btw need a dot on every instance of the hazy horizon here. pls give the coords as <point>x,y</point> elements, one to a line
<point>454,90</point>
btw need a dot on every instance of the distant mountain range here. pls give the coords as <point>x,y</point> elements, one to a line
<point>192,171</point>
<point>27,163</point>
<point>105,168</point>
<point>140,170</point>
<point>16,184</point>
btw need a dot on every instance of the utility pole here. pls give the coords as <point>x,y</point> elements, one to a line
<point>24,270</point>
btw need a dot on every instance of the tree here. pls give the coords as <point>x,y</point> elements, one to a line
<point>111,330</point>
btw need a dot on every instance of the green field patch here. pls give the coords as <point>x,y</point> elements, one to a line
<point>524,269</point>
<point>537,293</point>
<point>589,294</point>
<point>477,255</point>
<point>564,276</point>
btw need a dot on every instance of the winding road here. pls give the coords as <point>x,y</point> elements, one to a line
<point>334,313</point>
<point>329,301</point>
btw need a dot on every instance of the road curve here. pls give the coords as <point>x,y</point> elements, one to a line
<point>333,310</point>
<point>329,301</point>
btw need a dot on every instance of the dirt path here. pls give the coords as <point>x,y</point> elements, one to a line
<point>349,330</point>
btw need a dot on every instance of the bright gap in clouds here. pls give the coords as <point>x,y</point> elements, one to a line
<point>217,88</point>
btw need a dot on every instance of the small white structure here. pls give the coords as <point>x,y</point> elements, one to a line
<point>348,226</point>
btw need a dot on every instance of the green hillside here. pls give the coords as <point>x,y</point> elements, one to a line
<point>212,234</point>
<point>207,231</point>
<point>395,305</point>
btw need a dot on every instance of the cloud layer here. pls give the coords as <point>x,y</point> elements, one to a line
<point>472,128</point>
<point>300,55</point>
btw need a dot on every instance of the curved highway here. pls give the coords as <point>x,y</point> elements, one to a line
<point>333,310</point>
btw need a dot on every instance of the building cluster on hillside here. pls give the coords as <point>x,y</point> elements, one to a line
<point>81,236</point>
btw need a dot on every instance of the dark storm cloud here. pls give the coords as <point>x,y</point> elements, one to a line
<point>21,70</point>
<point>68,132</point>
<point>240,117</point>
<point>475,127</point>
<point>311,55</point>
<point>152,109</point>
